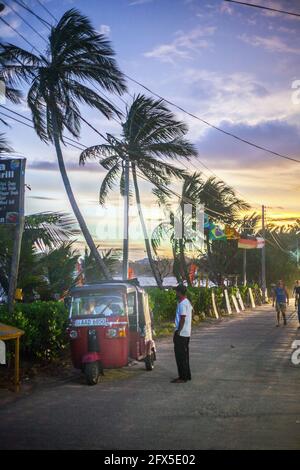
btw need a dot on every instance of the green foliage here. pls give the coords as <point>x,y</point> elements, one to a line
<point>47,259</point>
<point>162,303</point>
<point>44,324</point>
<point>91,270</point>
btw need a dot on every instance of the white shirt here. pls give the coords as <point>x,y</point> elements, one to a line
<point>184,308</point>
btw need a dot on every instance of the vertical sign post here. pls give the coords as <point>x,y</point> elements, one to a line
<point>12,187</point>
<point>263,259</point>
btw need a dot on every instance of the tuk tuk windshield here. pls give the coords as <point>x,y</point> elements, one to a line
<point>102,305</point>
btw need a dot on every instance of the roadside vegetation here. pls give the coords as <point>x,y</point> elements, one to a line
<point>45,322</point>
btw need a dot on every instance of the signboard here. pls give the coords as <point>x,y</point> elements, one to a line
<point>11,189</point>
<point>97,322</point>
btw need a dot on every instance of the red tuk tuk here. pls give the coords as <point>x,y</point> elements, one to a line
<point>110,324</point>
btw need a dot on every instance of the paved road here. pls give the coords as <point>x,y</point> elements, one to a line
<point>245,394</point>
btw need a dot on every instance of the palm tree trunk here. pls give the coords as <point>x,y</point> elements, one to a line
<point>147,243</point>
<point>176,271</point>
<point>181,250</point>
<point>72,200</point>
<point>126,222</point>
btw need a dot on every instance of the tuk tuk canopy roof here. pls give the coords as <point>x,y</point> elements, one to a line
<point>127,286</point>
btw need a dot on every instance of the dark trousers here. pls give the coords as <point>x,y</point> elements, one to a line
<point>299,310</point>
<point>181,349</point>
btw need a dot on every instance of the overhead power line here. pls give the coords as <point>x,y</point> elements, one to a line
<point>31,127</point>
<point>187,200</point>
<point>25,21</point>
<point>255,5</point>
<point>29,120</point>
<point>29,10</point>
<point>47,10</point>
<point>18,32</point>
<point>151,91</point>
<point>230,134</point>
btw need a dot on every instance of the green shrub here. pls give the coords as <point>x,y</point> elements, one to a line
<point>162,303</point>
<point>200,298</point>
<point>44,324</point>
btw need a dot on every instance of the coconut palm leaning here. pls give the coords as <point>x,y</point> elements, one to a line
<point>151,137</point>
<point>220,202</point>
<point>76,54</point>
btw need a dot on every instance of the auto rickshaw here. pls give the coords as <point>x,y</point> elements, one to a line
<point>110,325</point>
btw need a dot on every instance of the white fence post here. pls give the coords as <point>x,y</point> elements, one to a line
<point>240,300</point>
<point>2,352</point>
<point>251,298</point>
<point>215,310</point>
<point>228,306</point>
<point>234,301</point>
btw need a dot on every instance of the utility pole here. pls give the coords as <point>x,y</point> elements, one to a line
<point>245,267</point>
<point>18,233</point>
<point>126,221</point>
<point>263,258</point>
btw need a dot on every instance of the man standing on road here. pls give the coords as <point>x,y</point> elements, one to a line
<point>183,324</point>
<point>280,300</point>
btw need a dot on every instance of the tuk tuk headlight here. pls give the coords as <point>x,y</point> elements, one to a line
<point>111,333</point>
<point>73,334</point>
<point>116,333</point>
<point>122,332</point>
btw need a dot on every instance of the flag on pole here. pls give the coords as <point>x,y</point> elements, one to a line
<point>247,243</point>
<point>251,243</point>
<point>231,233</point>
<point>260,242</point>
<point>217,234</point>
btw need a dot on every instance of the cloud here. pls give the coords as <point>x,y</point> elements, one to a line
<point>104,29</point>
<point>70,165</point>
<point>139,2</point>
<point>226,8</point>
<point>6,31</point>
<point>183,45</point>
<point>44,198</point>
<point>285,139</point>
<point>238,98</point>
<point>271,43</point>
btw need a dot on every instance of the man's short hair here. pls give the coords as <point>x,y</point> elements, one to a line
<point>181,289</point>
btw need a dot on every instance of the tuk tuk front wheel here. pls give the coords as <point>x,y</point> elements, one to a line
<point>149,361</point>
<point>92,372</point>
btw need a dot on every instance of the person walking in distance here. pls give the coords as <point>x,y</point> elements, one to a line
<point>280,300</point>
<point>183,324</point>
<point>297,300</point>
<point>296,292</point>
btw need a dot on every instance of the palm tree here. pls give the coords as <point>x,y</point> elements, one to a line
<point>91,271</point>
<point>218,198</point>
<point>75,54</point>
<point>151,137</point>
<point>43,233</point>
<point>4,147</point>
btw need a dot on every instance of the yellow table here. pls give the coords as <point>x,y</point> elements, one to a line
<point>8,332</point>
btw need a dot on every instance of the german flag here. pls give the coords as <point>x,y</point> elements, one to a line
<point>247,243</point>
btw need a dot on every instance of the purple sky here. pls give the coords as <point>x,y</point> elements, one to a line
<point>231,65</point>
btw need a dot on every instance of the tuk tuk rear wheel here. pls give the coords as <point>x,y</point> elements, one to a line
<point>149,361</point>
<point>92,372</point>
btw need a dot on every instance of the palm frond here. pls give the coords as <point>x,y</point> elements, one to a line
<point>48,229</point>
<point>108,182</point>
<point>4,147</point>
